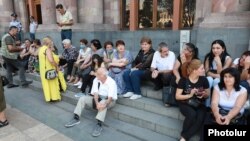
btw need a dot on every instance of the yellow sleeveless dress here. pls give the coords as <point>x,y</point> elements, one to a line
<point>51,88</point>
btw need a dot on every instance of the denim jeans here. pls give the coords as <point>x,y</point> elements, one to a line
<point>32,36</point>
<point>132,80</point>
<point>66,34</point>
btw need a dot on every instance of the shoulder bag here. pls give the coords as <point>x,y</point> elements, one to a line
<point>49,74</point>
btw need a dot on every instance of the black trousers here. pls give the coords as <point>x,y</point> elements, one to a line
<point>162,79</point>
<point>87,80</point>
<point>194,119</point>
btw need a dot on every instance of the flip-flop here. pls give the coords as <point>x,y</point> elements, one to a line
<point>4,123</point>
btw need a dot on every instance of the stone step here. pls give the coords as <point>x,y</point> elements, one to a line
<point>148,120</point>
<point>145,103</point>
<point>152,105</point>
<point>152,113</point>
<point>57,114</point>
<point>157,123</point>
<point>147,87</point>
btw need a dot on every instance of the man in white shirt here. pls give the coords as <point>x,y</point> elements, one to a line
<point>104,96</point>
<point>18,24</point>
<point>33,27</point>
<point>65,22</point>
<point>162,66</point>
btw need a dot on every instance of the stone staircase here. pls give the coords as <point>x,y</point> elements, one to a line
<point>148,114</point>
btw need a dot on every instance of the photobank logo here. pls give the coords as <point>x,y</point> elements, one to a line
<point>212,132</point>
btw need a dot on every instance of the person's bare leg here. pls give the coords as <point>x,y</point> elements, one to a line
<point>2,116</point>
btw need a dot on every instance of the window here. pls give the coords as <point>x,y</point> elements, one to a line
<point>157,14</point>
<point>164,14</point>
<point>145,15</point>
<point>188,13</point>
<point>125,13</point>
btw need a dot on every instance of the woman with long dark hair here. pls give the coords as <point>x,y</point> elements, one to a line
<point>189,52</point>
<point>243,66</point>
<point>216,60</point>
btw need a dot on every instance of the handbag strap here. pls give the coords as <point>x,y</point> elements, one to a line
<point>45,57</point>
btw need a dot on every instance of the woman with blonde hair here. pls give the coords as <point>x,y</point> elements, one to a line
<point>194,86</point>
<point>47,61</point>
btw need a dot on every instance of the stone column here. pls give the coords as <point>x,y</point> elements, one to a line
<point>48,11</point>
<point>227,6</point>
<point>203,9</point>
<point>22,13</point>
<point>70,5</point>
<point>6,8</point>
<point>32,11</point>
<point>90,11</point>
<point>244,5</point>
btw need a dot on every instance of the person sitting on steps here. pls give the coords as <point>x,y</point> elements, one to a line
<point>103,96</point>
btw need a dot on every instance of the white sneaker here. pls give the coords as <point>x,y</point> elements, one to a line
<point>79,86</point>
<point>78,83</point>
<point>128,94</point>
<point>135,96</point>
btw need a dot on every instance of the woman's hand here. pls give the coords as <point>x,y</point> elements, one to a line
<point>220,119</point>
<point>217,60</point>
<point>193,92</point>
<point>247,62</point>
<point>183,58</point>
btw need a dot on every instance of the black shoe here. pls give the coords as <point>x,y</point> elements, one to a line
<point>26,83</point>
<point>12,85</point>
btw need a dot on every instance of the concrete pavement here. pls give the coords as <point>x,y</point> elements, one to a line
<point>32,119</point>
<point>22,127</point>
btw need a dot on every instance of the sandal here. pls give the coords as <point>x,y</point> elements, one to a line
<point>4,123</point>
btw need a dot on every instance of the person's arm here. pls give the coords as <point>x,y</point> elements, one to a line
<point>240,102</point>
<point>227,63</point>
<point>118,63</point>
<point>180,88</point>
<point>49,56</point>
<point>208,72</point>
<point>9,42</point>
<point>112,91</point>
<point>179,95</point>
<point>215,105</point>
<point>177,64</point>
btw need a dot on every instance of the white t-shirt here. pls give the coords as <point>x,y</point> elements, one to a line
<point>86,53</point>
<point>33,26</point>
<point>166,63</point>
<point>108,88</point>
<point>228,101</point>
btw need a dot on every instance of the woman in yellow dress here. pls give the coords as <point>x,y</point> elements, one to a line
<point>48,60</point>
